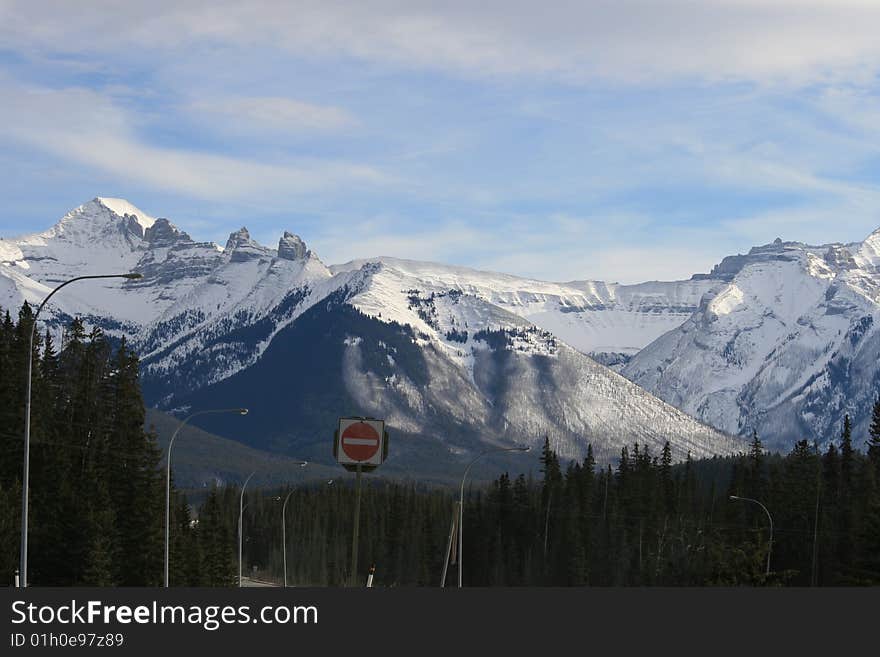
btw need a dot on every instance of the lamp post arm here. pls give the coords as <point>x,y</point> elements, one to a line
<point>180,426</point>
<point>770,543</point>
<point>461,502</point>
<point>769,518</point>
<point>461,514</point>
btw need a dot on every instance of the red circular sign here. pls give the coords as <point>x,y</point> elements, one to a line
<point>360,441</point>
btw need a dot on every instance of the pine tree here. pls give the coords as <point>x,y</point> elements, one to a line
<point>846,498</point>
<point>847,455</point>
<point>667,486</point>
<point>755,477</point>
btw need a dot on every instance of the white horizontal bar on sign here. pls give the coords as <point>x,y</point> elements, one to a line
<point>360,441</point>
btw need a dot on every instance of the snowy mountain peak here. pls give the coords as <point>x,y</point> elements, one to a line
<point>291,247</point>
<point>123,208</point>
<point>454,355</point>
<point>788,345</point>
<point>238,238</point>
<point>837,256</point>
<point>164,233</point>
<point>242,247</point>
<point>99,220</point>
<point>868,254</point>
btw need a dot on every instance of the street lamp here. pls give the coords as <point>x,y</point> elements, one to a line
<point>240,411</point>
<point>27,419</point>
<point>769,517</point>
<point>461,500</point>
<point>240,517</point>
<point>284,528</point>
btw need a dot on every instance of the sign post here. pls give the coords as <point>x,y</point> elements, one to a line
<point>357,525</point>
<point>360,445</point>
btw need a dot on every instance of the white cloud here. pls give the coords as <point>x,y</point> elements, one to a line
<point>642,40</point>
<point>557,247</point>
<point>87,129</point>
<point>845,220</point>
<point>270,115</point>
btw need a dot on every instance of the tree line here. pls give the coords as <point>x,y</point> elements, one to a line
<point>97,504</point>
<point>95,495</point>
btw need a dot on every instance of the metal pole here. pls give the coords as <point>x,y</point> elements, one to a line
<point>449,543</point>
<point>240,519</point>
<point>357,523</point>
<point>461,502</point>
<point>814,580</point>
<point>284,535</point>
<point>769,517</point>
<point>25,481</point>
<point>240,411</point>
<point>547,522</point>
<point>770,545</point>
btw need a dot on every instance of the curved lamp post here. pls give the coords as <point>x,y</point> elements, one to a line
<point>769,517</point>
<point>27,420</point>
<point>240,411</point>
<point>241,506</point>
<point>302,464</point>
<point>461,500</point>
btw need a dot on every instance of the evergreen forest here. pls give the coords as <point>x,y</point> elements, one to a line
<point>97,501</point>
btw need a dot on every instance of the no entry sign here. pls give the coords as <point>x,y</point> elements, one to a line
<point>360,441</point>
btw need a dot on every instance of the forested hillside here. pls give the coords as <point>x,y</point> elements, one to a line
<point>96,492</point>
<point>97,504</point>
<point>645,522</point>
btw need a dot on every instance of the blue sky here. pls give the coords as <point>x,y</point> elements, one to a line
<point>565,140</point>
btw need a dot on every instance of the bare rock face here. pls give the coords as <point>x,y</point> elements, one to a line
<point>164,233</point>
<point>291,247</point>
<point>242,247</point>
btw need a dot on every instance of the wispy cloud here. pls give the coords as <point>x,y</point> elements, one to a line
<point>811,223</point>
<point>631,40</point>
<point>581,247</point>
<point>270,115</point>
<point>86,128</point>
<point>611,139</point>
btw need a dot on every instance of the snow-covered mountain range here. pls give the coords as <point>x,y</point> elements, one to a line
<point>786,346</point>
<point>454,359</point>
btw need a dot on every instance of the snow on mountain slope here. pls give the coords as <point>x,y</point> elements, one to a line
<point>224,324</point>
<point>122,208</point>
<point>191,294</point>
<point>451,374</point>
<point>478,369</point>
<point>502,370</point>
<point>10,253</point>
<point>786,347</point>
<point>608,321</point>
<point>92,239</point>
<point>867,257</point>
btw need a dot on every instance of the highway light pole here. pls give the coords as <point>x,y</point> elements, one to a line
<point>284,528</point>
<point>769,517</point>
<point>240,411</point>
<point>284,535</point>
<point>27,420</point>
<point>461,501</point>
<point>240,526</point>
